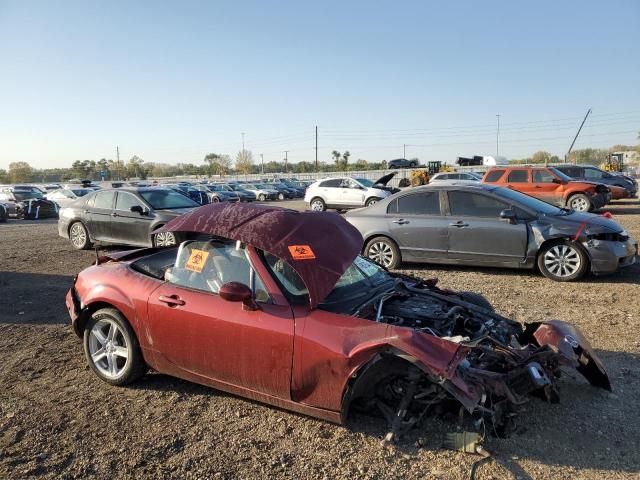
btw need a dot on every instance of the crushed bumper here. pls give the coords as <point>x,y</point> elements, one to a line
<point>608,256</point>
<point>73,307</point>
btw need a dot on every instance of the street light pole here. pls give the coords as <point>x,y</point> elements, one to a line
<point>498,137</point>
<point>243,141</point>
<point>286,158</point>
<point>262,162</point>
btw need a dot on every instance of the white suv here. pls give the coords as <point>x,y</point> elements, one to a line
<point>344,193</point>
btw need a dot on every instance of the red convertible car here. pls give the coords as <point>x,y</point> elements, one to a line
<point>277,306</point>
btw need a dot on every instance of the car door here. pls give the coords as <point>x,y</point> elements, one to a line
<point>127,226</point>
<point>330,191</point>
<point>416,224</point>
<point>477,234</point>
<point>352,193</point>
<point>98,213</point>
<point>193,330</point>
<point>546,187</point>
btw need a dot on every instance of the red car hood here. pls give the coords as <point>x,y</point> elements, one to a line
<point>320,246</point>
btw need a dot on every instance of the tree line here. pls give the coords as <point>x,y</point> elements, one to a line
<point>589,156</point>
<point>215,164</point>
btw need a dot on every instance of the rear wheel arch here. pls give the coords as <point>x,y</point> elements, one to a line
<point>371,239</point>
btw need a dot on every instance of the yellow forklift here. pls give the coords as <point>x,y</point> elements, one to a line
<point>421,176</point>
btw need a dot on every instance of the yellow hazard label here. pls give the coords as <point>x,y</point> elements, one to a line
<point>196,261</point>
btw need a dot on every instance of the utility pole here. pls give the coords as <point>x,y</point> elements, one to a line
<point>498,137</point>
<point>262,162</point>
<point>316,149</point>
<point>118,160</point>
<point>404,150</point>
<point>576,137</point>
<point>286,158</point>
<point>243,141</point>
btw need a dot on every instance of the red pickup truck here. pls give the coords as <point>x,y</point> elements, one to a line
<point>552,186</point>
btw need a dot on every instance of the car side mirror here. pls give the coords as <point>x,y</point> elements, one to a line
<point>139,209</point>
<point>508,214</point>
<point>238,292</point>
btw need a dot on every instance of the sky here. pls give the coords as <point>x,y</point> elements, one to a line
<point>173,81</point>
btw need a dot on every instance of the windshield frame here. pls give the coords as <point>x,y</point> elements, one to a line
<point>522,200</point>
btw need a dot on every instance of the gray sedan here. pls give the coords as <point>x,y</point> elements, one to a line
<point>491,226</point>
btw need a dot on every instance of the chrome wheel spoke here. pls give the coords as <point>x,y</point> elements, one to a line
<point>98,355</point>
<point>121,352</point>
<point>99,336</point>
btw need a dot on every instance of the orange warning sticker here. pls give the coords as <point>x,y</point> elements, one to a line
<point>301,252</point>
<point>196,261</point>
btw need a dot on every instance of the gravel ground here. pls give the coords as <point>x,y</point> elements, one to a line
<point>57,420</point>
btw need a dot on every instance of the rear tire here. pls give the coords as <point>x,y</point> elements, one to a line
<point>164,239</point>
<point>112,349</point>
<point>580,203</point>
<point>281,196</point>
<point>383,251</point>
<point>413,164</point>
<point>563,261</point>
<point>79,236</point>
<point>372,201</point>
<point>261,197</point>
<point>317,205</point>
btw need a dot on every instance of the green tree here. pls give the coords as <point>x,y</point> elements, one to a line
<point>20,172</point>
<point>244,161</point>
<point>4,177</point>
<point>218,164</point>
<point>541,157</point>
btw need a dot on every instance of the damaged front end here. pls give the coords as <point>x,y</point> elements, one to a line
<point>498,366</point>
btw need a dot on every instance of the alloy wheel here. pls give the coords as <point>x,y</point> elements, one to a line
<point>382,253</point>
<point>562,260</point>
<point>580,204</point>
<point>164,239</point>
<point>317,206</point>
<point>78,235</point>
<point>108,348</point>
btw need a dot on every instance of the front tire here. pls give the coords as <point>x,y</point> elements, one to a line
<point>111,348</point>
<point>261,197</point>
<point>164,239</point>
<point>476,299</point>
<point>563,262</point>
<point>281,196</point>
<point>372,201</point>
<point>580,203</point>
<point>317,205</point>
<point>383,251</point>
<point>79,236</point>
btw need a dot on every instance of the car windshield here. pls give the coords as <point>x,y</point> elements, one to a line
<point>365,182</point>
<point>529,202</point>
<point>216,188</point>
<point>475,175</point>
<point>81,192</point>
<point>23,195</point>
<point>360,282</point>
<point>167,199</point>
<point>563,176</point>
<point>261,186</point>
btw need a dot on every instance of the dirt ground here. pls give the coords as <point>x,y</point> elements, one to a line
<point>57,420</point>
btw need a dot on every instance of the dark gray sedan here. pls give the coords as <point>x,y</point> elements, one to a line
<point>490,226</point>
<point>125,216</point>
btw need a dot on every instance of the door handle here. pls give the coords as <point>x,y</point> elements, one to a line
<point>401,221</point>
<point>115,215</point>
<point>459,224</point>
<point>171,300</point>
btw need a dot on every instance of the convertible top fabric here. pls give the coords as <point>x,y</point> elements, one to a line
<point>319,246</point>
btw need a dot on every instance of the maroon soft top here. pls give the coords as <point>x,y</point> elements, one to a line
<point>320,246</point>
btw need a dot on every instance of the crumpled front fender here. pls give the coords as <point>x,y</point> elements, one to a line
<point>572,345</point>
